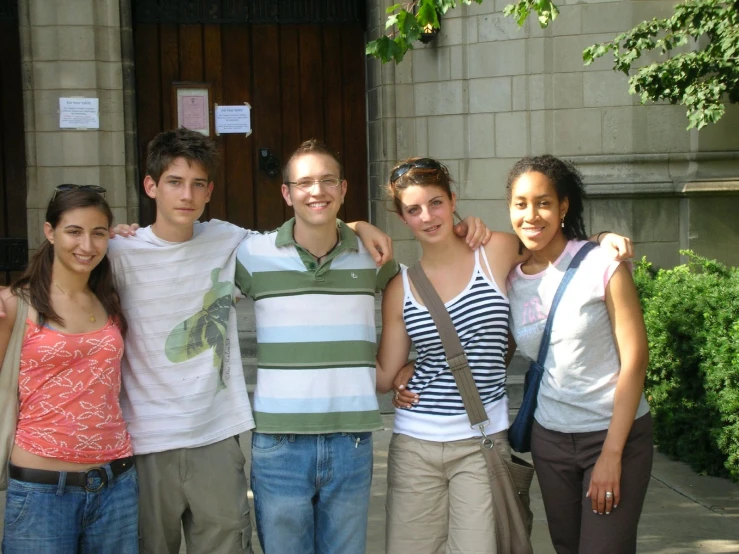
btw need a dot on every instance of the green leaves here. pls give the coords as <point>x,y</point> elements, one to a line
<point>692,318</point>
<point>405,25</point>
<point>702,78</point>
<point>545,10</point>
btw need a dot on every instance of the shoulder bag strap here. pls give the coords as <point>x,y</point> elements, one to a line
<point>569,274</point>
<point>455,355</point>
<point>11,361</point>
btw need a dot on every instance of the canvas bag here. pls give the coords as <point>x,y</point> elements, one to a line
<point>519,435</point>
<point>9,390</point>
<point>510,480</point>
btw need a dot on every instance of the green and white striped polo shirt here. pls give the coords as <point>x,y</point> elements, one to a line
<point>316,337</point>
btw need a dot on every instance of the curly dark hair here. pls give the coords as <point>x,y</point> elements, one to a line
<point>567,181</point>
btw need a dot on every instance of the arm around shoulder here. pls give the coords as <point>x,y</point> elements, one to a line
<point>504,252</point>
<point>395,344</point>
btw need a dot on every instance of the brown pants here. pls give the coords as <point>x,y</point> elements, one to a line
<point>202,491</point>
<point>564,463</point>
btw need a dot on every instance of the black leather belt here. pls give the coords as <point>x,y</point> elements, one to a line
<point>93,479</point>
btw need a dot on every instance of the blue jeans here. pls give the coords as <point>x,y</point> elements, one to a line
<point>56,519</point>
<point>311,492</point>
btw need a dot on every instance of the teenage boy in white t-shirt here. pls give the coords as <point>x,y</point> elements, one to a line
<point>184,394</point>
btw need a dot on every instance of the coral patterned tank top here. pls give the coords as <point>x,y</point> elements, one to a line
<point>69,386</point>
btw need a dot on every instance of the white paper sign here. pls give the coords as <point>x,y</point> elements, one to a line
<point>233,119</point>
<point>79,113</point>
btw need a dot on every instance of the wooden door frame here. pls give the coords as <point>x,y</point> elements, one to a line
<point>13,186</point>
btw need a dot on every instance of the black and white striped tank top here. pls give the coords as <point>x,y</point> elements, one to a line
<point>480,316</point>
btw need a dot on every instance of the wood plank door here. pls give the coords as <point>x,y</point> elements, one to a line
<point>13,218</point>
<point>302,80</point>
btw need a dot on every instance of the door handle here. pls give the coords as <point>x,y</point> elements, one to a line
<point>268,163</point>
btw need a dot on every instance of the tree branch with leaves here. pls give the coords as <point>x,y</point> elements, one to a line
<point>702,79</point>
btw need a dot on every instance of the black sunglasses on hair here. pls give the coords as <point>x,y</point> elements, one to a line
<point>68,186</point>
<point>423,163</point>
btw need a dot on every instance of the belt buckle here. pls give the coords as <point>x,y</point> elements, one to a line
<point>98,472</point>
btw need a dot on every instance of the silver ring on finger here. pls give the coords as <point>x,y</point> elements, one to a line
<point>609,494</point>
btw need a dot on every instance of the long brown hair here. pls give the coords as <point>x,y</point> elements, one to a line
<point>35,283</point>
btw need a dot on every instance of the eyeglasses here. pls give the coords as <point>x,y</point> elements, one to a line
<point>423,163</point>
<point>307,184</point>
<point>68,186</point>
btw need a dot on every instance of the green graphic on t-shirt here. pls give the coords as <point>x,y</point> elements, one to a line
<point>206,329</point>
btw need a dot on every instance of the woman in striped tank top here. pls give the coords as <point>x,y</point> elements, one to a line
<point>438,496</point>
<point>438,493</point>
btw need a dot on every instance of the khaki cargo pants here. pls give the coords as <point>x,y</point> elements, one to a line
<point>202,491</point>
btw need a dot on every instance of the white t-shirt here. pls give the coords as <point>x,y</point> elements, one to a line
<point>582,364</point>
<point>183,382</point>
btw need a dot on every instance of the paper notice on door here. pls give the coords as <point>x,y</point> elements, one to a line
<point>194,112</point>
<point>79,113</point>
<point>233,119</point>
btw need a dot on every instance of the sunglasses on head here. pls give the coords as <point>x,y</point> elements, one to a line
<point>68,186</point>
<point>423,163</point>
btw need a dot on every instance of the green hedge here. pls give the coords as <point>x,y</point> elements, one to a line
<point>692,318</point>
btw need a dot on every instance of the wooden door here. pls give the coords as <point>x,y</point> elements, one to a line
<point>300,65</point>
<point>13,223</point>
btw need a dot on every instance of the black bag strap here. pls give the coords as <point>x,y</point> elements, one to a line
<point>569,274</point>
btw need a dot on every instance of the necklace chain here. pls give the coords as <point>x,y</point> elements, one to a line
<point>91,316</point>
<point>318,258</point>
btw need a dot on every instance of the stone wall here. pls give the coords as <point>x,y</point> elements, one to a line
<point>486,93</point>
<point>73,48</point>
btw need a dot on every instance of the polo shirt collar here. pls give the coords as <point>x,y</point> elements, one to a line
<point>285,235</point>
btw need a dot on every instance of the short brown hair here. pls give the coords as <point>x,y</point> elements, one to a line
<point>166,147</point>
<point>311,146</point>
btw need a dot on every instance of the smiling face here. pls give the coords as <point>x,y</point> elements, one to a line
<point>181,194</point>
<point>428,210</point>
<point>537,213</point>
<point>319,204</point>
<point>80,239</point>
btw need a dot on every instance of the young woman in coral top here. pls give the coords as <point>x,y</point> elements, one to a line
<point>73,486</point>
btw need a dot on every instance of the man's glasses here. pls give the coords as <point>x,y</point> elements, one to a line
<point>423,163</point>
<point>307,184</point>
<point>68,186</point>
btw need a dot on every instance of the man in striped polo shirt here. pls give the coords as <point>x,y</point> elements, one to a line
<point>315,407</point>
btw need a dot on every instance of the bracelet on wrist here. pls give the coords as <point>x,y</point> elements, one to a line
<point>597,237</point>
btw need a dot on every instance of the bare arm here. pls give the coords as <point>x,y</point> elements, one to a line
<point>630,334</point>
<point>379,245</point>
<point>395,344</point>
<point>504,252</point>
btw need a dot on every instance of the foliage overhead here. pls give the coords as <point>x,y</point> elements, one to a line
<point>408,21</point>
<point>701,76</point>
<point>700,42</point>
